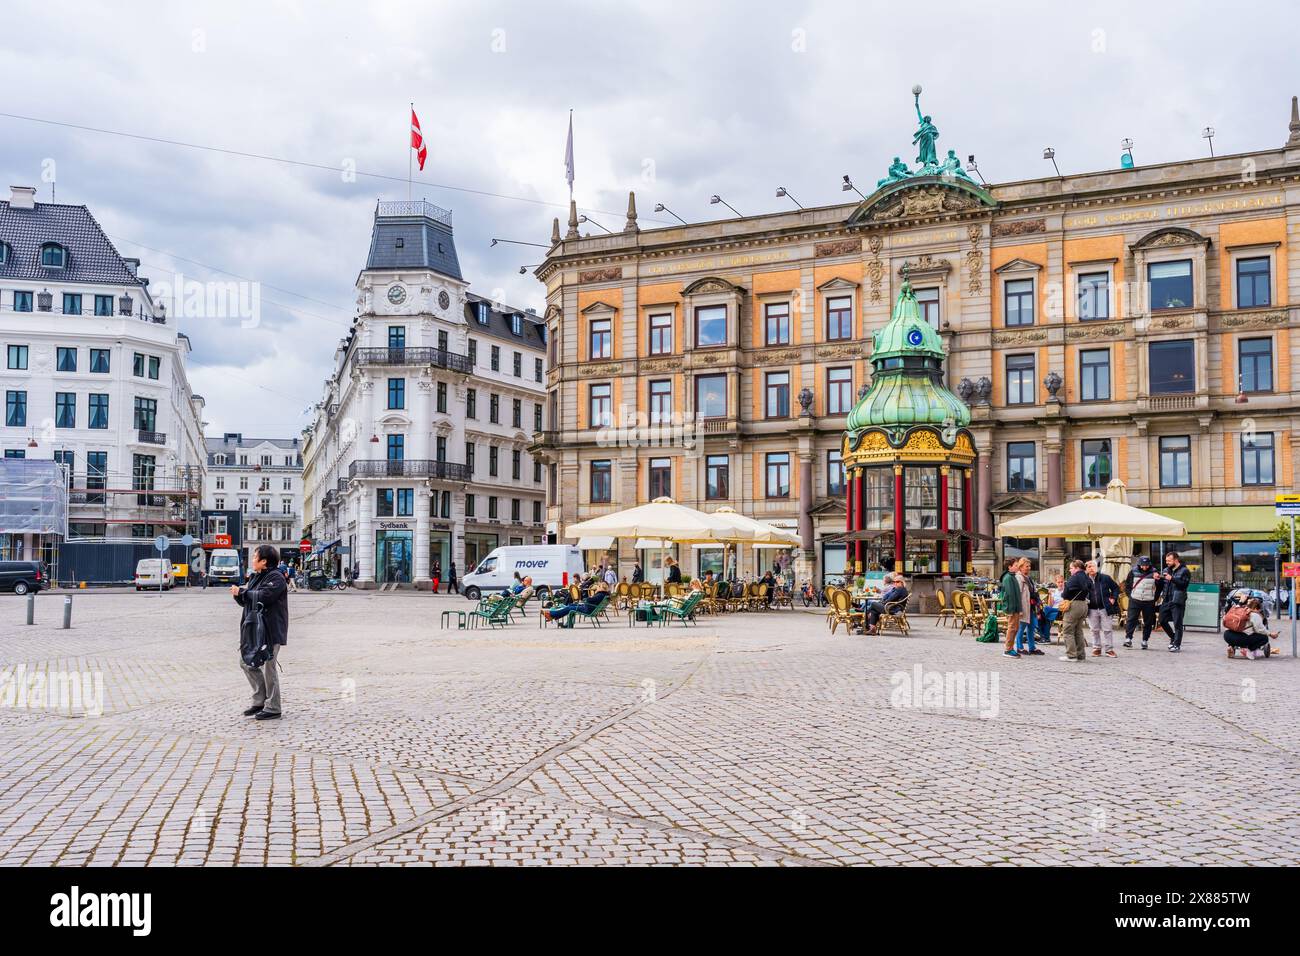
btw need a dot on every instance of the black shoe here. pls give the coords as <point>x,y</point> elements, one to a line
<point>266,715</point>
<point>253,710</point>
<point>1128,643</point>
<point>1144,645</point>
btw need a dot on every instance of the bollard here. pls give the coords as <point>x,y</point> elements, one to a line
<point>31,608</point>
<point>67,612</point>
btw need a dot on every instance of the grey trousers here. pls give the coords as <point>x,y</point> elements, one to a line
<point>1072,629</point>
<point>265,681</point>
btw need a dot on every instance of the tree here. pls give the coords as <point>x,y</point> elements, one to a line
<point>1282,535</point>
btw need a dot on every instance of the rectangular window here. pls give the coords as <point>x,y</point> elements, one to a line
<point>155,367</point>
<point>66,359</point>
<point>396,447</point>
<point>1094,296</point>
<point>65,410</point>
<point>17,356</point>
<point>22,302</point>
<point>601,405</point>
<point>103,305</point>
<point>710,326</point>
<point>16,409</point>
<point>777,322</point>
<point>1020,380</point>
<point>1018,300</point>
<point>1171,284</point>
<point>776,395</point>
<point>15,452</point>
<point>1171,367</point>
<point>397,337</point>
<point>537,369</point>
<point>1096,464</point>
<point>839,391</point>
<point>514,510</point>
<point>405,502</point>
<point>496,358</point>
<point>537,416</point>
<point>1257,458</point>
<point>494,408</point>
<point>537,472</point>
<point>146,414</point>
<point>71,303</point>
<point>661,402</point>
<point>98,411</point>
<point>1021,466</point>
<point>777,478</point>
<point>96,474</point>
<point>839,318</point>
<point>516,413</point>
<point>717,477</point>
<point>384,502</point>
<point>1176,461</point>
<point>442,340</point>
<point>835,473</point>
<point>439,450</point>
<point>493,460</point>
<point>519,365</point>
<point>661,478</point>
<point>99,361</point>
<point>661,333</point>
<point>516,463</point>
<point>471,403</point>
<point>537,512</point>
<point>469,456</point>
<point>137,365</point>
<point>441,397</point>
<point>711,396</point>
<point>602,482</point>
<point>470,509</point>
<point>927,301</point>
<point>397,393</point>
<point>601,338</point>
<point>1252,283</point>
<point>473,352</point>
<point>1255,359</point>
<point>492,507</point>
<point>1094,375</point>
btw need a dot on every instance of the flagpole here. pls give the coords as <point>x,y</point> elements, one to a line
<point>409,150</point>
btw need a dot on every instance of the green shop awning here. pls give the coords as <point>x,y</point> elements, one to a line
<point>1227,523</point>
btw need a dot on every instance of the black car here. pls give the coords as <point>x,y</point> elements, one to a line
<point>23,576</point>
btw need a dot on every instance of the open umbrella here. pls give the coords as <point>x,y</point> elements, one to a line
<point>1093,516</point>
<point>754,532</point>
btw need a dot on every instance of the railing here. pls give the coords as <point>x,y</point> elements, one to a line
<point>545,437</point>
<point>415,207</point>
<point>718,426</point>
<point>410,468</point>
<point>152,438</point>
<point>1170,403</point>
<point>342,484</point>
<point>414,356</point>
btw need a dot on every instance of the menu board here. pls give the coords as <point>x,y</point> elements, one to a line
<point>1203,602</point>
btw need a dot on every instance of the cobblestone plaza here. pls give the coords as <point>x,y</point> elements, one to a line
<point>751,739</point>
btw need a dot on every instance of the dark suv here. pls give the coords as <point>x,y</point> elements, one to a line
<point>23,576</point>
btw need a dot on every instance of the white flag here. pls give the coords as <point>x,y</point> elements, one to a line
<point>568,155</point>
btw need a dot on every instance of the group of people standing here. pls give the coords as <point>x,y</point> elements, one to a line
<point>1090,597</point>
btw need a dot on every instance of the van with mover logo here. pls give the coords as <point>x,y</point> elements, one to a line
<point>549,565</point>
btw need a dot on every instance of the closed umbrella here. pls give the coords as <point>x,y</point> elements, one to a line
<point>1117,550</point>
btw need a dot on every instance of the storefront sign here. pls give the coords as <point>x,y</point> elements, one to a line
<point>1287,505</point>
<point>1202,608</point>
<point>394,526</point>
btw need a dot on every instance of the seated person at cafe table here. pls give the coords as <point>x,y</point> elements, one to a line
<point>895,590</point>
<point>586,605</point>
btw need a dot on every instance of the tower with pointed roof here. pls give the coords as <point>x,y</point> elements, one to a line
<point>907,453</point>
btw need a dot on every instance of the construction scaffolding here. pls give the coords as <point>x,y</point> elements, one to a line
<point>33,497</point>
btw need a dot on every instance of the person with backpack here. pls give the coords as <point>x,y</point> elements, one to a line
<point>1143,587</point>
<point>1244,629</point>
<point>1176,578</point>
<point>264,596</point>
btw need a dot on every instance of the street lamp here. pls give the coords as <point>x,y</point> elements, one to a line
<point>715,199</point>
<point>660,207</point>
<point>848,184</point>
<point>782,192</point>
<point>1049,153</point>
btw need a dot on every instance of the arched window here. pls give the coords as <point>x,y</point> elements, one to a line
<point>53,256</point>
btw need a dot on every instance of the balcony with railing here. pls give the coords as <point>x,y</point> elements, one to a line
<point>410,468</point>
<point>151,438</point>
<point>342,485</point>
<point>439,358</point>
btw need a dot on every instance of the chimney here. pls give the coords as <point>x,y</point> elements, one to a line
<point>22,197</point>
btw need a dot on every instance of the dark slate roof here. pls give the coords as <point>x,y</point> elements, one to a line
<point>413,235</point>
<point>220,444</point>
<point>91,256</point>
<point>499,325</point>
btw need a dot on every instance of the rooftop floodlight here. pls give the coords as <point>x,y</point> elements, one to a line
<point>660,207</point>
<point>782,192</point>
<point>1049,153</point>
<point>715,199</point>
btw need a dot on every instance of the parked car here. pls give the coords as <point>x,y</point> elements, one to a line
<point>549,565</point>
<point>154,573</point>
<point>23,576</point>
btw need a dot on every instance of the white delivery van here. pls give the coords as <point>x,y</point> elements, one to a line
<point>549,565</point>
<point>223,567</point>
<point>153,573</point>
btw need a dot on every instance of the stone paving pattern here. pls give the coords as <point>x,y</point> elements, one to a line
<point>751,740</point>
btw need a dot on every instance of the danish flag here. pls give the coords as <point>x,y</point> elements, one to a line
<point>417,140</point>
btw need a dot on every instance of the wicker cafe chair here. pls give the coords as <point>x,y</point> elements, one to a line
<point>947,611</point>
<point>842,612</point>
<point>967,615</point>
<point>622,595</point>
<point>894,618</point>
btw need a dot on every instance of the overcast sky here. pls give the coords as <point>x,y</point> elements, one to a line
<point>674,100</point>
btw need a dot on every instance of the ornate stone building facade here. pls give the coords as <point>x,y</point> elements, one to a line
<point>1132,323</point>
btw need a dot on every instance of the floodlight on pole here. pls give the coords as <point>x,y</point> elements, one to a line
<point>1208,135</point>
<point>585,218</point>
<point>1049,153</point>
<point>783,193</point>
<point>660,207</point>
<point>715,199</point>
<point>848,184</point>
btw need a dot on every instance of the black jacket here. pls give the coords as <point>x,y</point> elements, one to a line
<point>1077,587</point>
<point>638,575</point>
<point>1104,595</point>
<point>1175,589</point>
<point>268,588</point>
<point>675,574</point>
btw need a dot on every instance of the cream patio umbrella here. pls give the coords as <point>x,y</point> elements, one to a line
<point>754,532</point>
<point>1093,516</point>
<point>1117,550</point>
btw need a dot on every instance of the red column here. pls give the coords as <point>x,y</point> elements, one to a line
<point>862,520</point>
<point>943,519</point>
<point>966,523</point>
<point>850,520</point>
<point>899,519</point>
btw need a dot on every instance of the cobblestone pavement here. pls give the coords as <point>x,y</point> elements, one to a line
<point>752,739</point>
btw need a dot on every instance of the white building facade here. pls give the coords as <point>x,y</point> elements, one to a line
<point>93,375</point>
<point>261,478</point>
<point>417,456</point>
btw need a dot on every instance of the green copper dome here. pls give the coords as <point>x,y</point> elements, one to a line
<point>907,386</point>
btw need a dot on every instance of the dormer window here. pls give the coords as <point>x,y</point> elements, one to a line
<point>482,312</point>
<point>53,256</point>
<point>5,252</point>
<point>517,324</point>
<point>401,243</point>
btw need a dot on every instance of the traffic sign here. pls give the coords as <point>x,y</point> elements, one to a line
<point>1291,569</point>
<point>187,540</point>
<point>1287,505</point>
<point>305,546</point>
<point>161,543</point>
